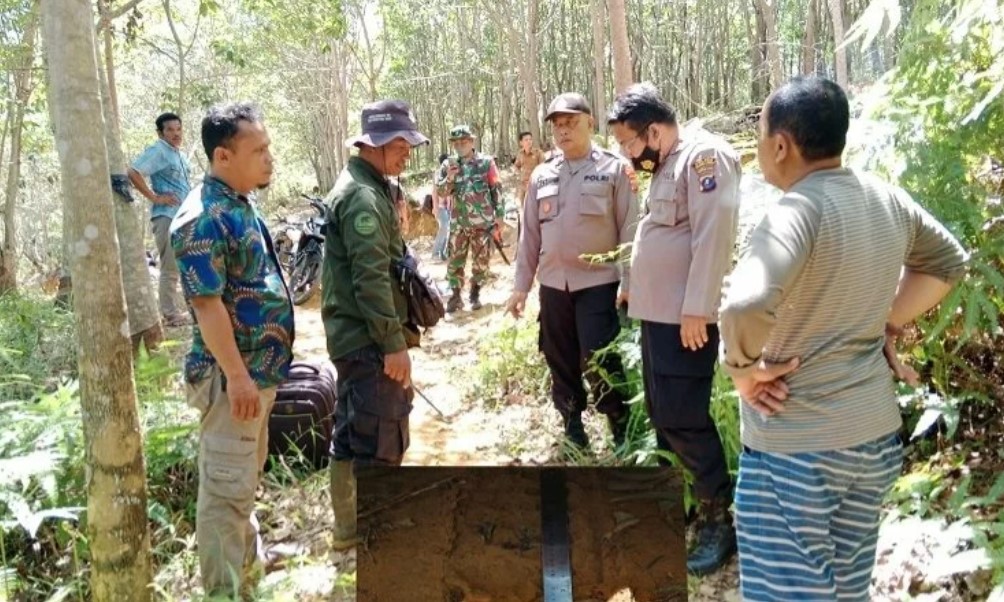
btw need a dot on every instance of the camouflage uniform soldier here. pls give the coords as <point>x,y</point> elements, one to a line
<point>472,179</point>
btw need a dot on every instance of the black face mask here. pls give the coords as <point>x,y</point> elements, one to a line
<point>648,160</point>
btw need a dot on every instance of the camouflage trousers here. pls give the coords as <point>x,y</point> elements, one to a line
<point>476,241</point>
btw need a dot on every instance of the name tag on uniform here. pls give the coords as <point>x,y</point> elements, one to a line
<point>547,190</point>
<point>542,182</point>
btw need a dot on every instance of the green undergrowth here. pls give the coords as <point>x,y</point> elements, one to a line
<point>44,550</point>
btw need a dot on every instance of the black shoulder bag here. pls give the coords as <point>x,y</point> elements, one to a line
<point>425,304</point>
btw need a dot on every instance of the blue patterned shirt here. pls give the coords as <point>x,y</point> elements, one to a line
<point>223,249</point>
<point>169,173</point>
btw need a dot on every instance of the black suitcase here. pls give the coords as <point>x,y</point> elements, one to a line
<point>303,417</point>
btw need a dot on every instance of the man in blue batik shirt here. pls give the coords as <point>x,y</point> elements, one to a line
<point>168,171</point>
<point>242,342</point>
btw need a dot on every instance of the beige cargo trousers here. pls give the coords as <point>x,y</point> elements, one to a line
<point>232,457</point>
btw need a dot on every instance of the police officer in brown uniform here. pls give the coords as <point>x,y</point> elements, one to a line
<point>578,204</point>
<point>681,253</point>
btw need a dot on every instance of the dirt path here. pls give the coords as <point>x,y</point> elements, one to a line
<point>511,434</point>
<point>439,371</point>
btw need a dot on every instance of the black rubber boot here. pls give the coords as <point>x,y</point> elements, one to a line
<point>575,431</point>
<point>475,297</point>
<point>716,538</point>
<point>455,303</point>
<point>618,427</point>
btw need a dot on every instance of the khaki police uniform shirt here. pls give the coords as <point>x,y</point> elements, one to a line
<point>574,212</point>
<point>684,244</point>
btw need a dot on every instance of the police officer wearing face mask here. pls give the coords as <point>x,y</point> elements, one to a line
<point>579,204</point>
<point>682,250</point>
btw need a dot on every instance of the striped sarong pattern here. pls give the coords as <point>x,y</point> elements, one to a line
<point>807,523</point>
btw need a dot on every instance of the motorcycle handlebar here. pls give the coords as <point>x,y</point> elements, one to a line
<point>317,204</point>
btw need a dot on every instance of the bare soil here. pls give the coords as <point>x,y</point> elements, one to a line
<point>442,371</point>
<point>474,535</point>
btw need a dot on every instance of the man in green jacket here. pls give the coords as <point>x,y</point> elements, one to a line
<point>364,310</point>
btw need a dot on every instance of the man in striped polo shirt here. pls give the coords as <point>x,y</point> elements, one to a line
<point>808,326</point>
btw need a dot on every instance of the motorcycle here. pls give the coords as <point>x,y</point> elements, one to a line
<point>300,250</point>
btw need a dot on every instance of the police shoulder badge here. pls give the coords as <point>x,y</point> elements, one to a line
<point>364,224</point>
<point>705,168</point>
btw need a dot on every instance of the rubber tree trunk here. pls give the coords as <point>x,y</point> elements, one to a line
<point>599,65</point>
<point>769,11</point>
<point>116,474</point>
<point>809,40</point>
<point>836,8</point>
<point>619,41</point>
<point>24,57</point>
<point>141,299</point>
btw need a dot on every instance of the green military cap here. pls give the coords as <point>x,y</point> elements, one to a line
<point>461,131</point>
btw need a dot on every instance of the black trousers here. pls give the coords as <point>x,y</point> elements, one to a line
<point>678,385</point>
<point>573,325</point>
<point>371,417</point>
